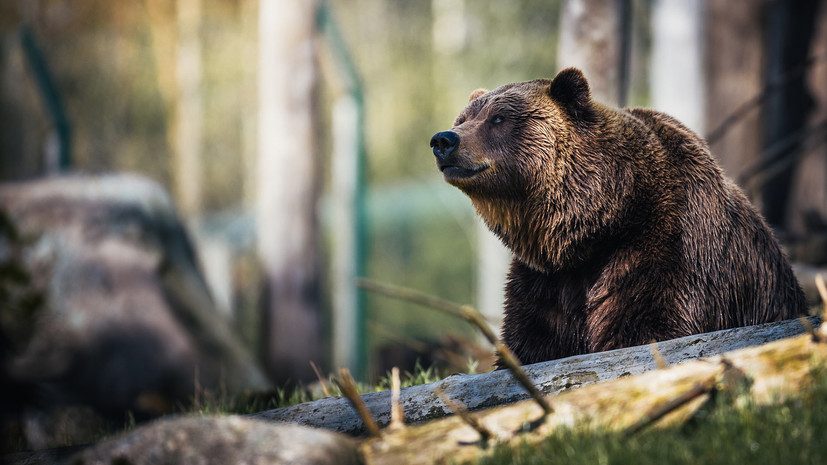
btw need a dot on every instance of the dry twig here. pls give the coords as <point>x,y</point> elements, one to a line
<point>469,314</point>
<point>465,312</point>
<point>822,291</point>
<point>659,361</point>
<point>514,366</point>
<point>442,353</point>
<point>348,387</point>
<point>810,330</point>
<point>461,411</point>
<point>758,99</point>
<point>780,155</point>
<point>322,379</point>
<point>727,380</point>
<point>704,387</point>
<point>397,413</point>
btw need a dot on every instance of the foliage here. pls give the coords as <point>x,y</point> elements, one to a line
<point>794,431</point>
<point>22,300</point>
<point>418,376</point>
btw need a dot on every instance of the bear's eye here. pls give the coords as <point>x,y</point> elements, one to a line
<point>497,119</point>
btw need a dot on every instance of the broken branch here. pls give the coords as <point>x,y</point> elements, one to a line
<point>704,387</point>
<point>459,409</point>
<point>514,366</point>
<point>659,361</point>
<point>348,387</point>
<point>465,312</point>
<point>322,380</point>
<point>397,413</point>
<point>469,314</point>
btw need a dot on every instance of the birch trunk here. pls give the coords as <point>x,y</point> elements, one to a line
<point>288,188</point>
<point>590,39</point>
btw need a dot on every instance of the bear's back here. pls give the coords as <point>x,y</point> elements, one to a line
<point>704,260</point>
<point>737,274</point>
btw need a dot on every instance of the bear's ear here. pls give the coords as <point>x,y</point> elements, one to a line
<point>476,94</point>
<point>570,89</point>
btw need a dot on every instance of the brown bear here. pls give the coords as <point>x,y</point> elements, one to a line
<point>622,226</point>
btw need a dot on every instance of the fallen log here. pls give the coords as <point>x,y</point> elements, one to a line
<point>421,403</point>
<point>769,373</point>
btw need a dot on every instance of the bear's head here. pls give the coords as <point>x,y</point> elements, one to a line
<point>533,158</point>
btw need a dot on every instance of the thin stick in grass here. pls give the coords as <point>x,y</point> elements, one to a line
<point>397,413</point>
<point>469,314</point>
<point>659,361</point>
<point>515,367</point>
<point>461,411</point>
<point>348,387</point>
<point>322,380</point>
<point>704,387</point>
<point>822,291</point>
<point>816,337</point>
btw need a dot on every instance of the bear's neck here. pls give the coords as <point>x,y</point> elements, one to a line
<point>525,234</point>
<point>540,242</point>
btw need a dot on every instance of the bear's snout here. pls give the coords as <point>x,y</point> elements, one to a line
<point>444,143</point>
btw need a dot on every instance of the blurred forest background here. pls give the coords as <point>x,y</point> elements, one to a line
<point>293,137</point>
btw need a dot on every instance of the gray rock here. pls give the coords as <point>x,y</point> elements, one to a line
<point>125,322</point>
<point>221,441</point>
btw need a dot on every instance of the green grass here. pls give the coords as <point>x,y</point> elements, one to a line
<point>209,403</point>
<point>407,379</point>
<point>793,432</point>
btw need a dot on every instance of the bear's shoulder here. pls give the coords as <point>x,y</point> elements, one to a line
<point>666,127</point>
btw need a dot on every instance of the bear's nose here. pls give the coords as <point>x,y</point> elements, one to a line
<point>444,143</point>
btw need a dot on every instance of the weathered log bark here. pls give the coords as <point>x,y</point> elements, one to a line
<point>769,373</point>
<point>421,403</point>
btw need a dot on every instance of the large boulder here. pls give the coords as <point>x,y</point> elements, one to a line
<point>222,440</point>
<point>201,440</point>
<point>108,307</point>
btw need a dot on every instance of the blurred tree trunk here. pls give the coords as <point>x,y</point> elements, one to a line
<point>248,63</point>
<point>178,70</point>
<point>591,39</point>
<point>188,112</point>
<point>676,68</point>
<point>791,30</point>
<point>810,181</point>
<point>23,124</point>
<point>734,68</point>
<point>771,53</point>
<point>288,188</point>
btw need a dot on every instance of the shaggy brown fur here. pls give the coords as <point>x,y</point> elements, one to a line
<point>623,228</point>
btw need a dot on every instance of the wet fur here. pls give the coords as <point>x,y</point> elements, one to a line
<point>623,228</point>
